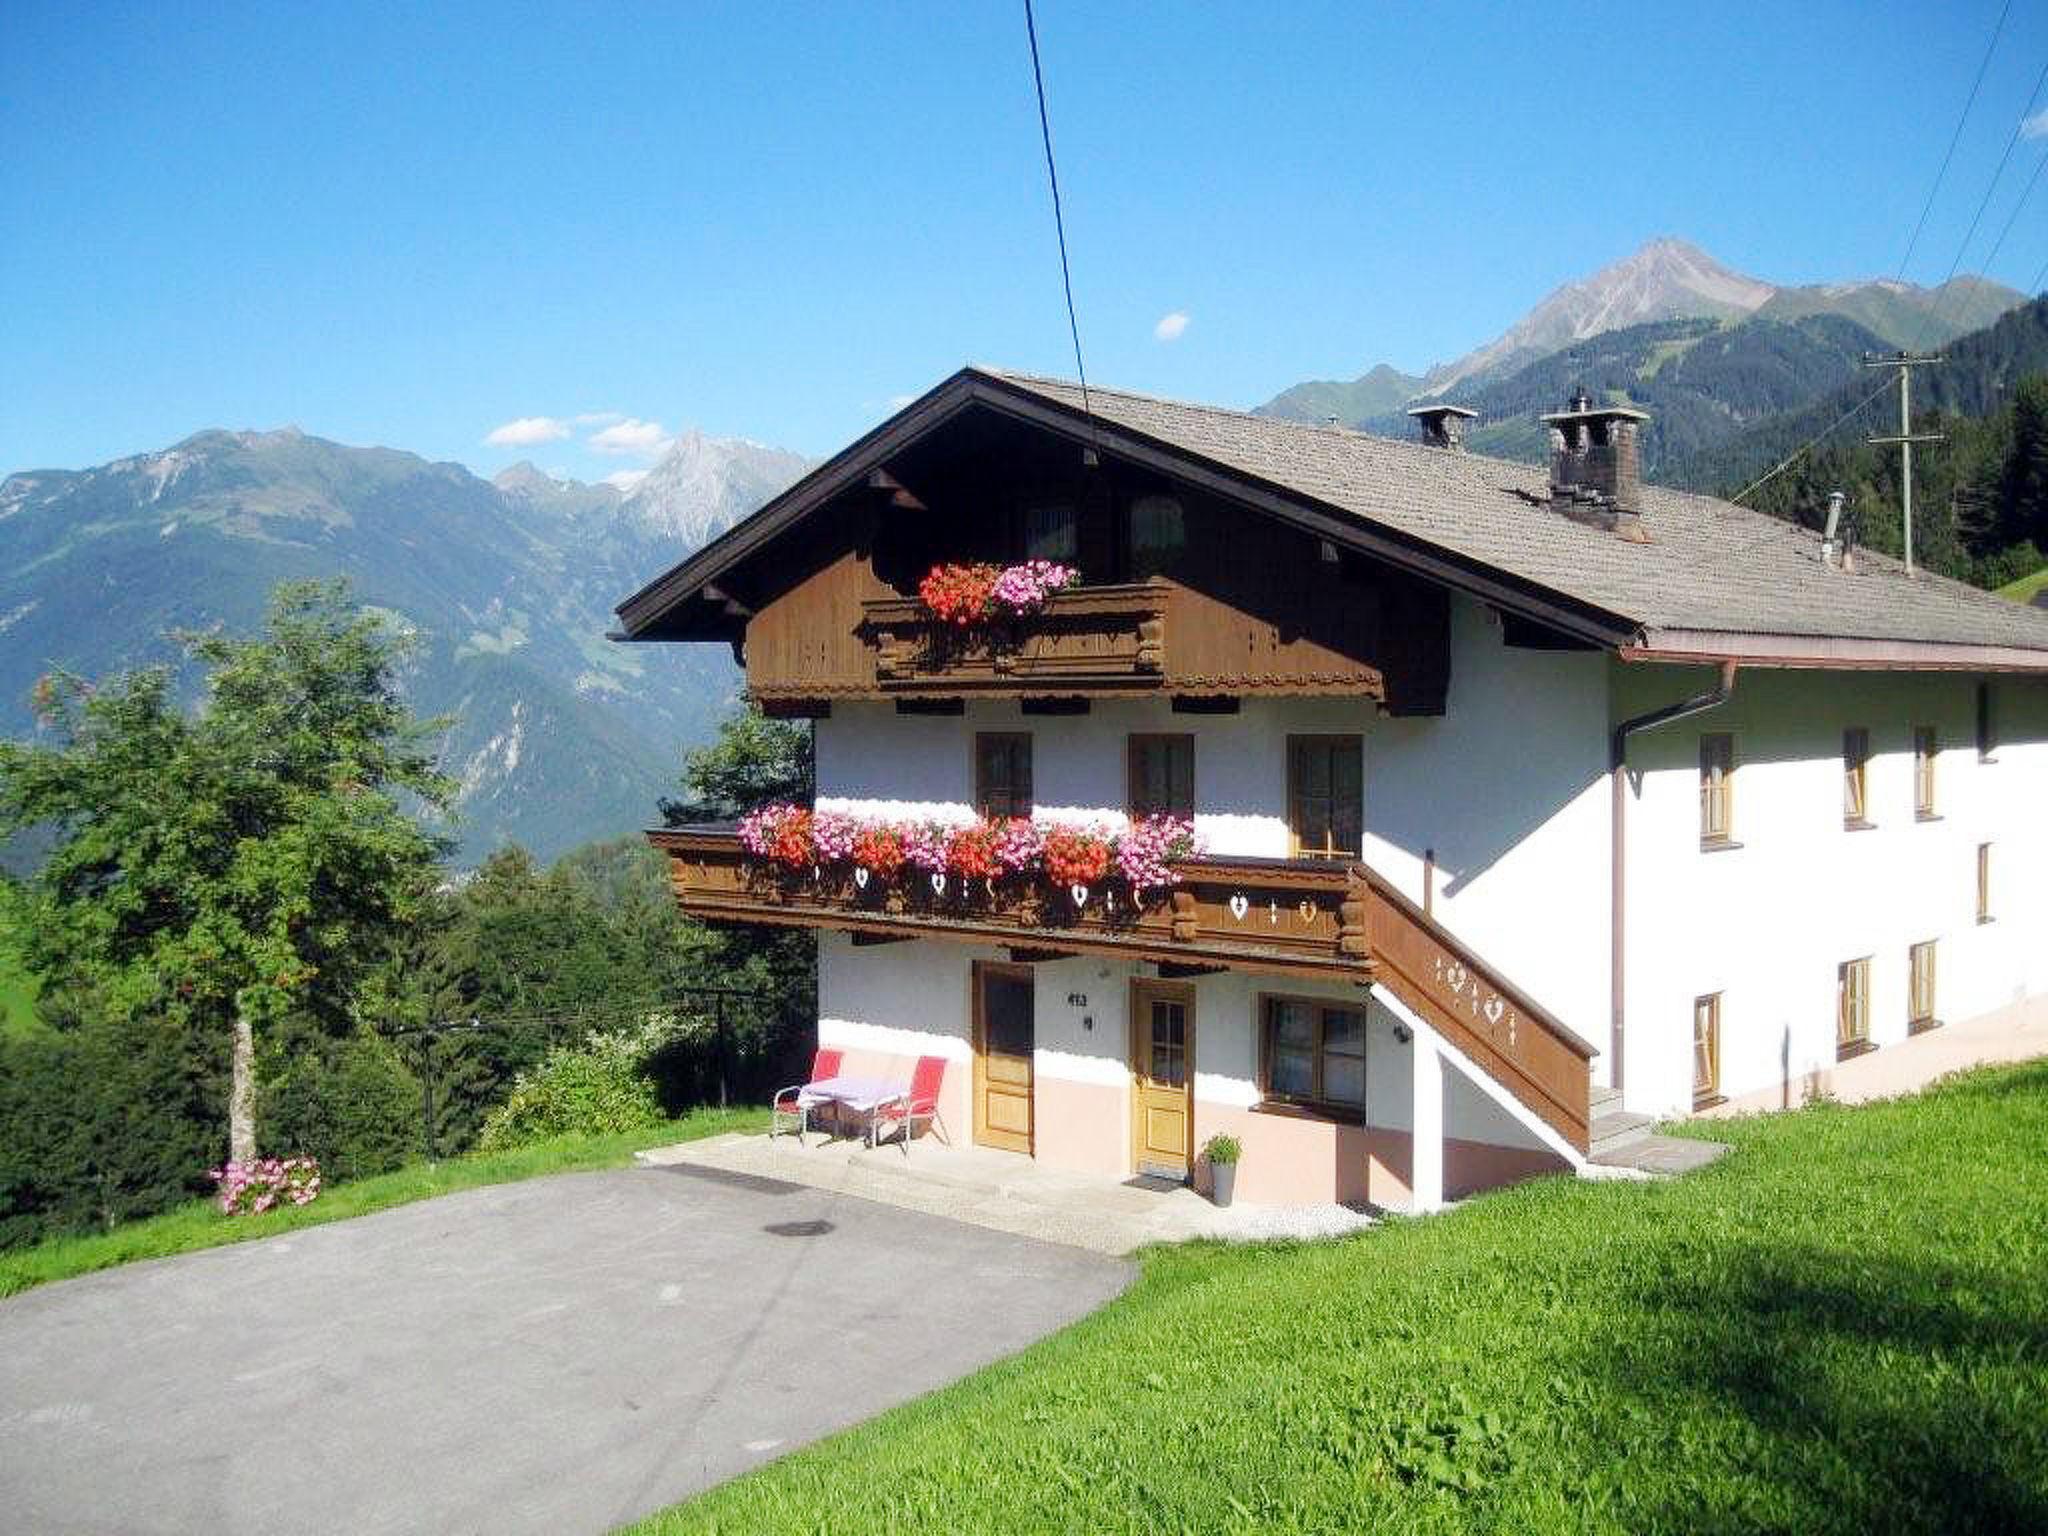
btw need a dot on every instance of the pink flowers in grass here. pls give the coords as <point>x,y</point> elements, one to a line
<point>249,1189</point>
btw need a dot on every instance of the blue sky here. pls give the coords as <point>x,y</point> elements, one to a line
<point>415,224</point>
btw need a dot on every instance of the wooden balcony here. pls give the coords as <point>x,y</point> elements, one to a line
<point>1106,638</point>
<point>1328,921</point>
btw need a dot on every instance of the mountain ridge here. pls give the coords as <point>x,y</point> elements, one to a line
<point>561,736</point>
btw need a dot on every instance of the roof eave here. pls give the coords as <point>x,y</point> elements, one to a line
<point>1831,652</point>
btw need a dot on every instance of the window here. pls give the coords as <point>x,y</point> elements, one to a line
<point>1162,775</point>
<point>1926,747</point>
<point>1159,534</point>
<point>1852,1007</point>
<point>1920,993</point>
<point>1313,1052</point>
<point>1325,796</point>
<point>1987,724</point>
<point>1983,882</point>
<point>1717,790</point>
<point>1706,1050</point>
<point>1856,777</point>
<point>1051,532</point>
<point>1002,773</point>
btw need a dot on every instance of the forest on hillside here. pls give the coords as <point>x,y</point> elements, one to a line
<point>278,960</point>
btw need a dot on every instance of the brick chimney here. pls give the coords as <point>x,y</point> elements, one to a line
<point>1596,473</point>
<point>1443,426</point>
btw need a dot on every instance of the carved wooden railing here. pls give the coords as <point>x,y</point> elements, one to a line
<point>1273,916</point>
<point>1092,637</point>
<point>1280,916</point>
<point>1514,1038</point>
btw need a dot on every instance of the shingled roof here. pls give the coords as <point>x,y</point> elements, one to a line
<point>1710,568</point>
<point>1712,581</point>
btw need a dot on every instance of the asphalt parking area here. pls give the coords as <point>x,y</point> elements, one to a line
<point>560,1355</point>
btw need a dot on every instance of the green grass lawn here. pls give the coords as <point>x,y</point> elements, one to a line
<point>1843,1326</point>
<point>2023,590</point>
<point>201,1224</point>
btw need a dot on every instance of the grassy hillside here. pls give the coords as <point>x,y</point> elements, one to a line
<point>2027,588</point>
<point>1805,1337</point>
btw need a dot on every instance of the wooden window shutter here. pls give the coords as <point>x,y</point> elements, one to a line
<point>1162,775</point>
<point>1002,773</point>
<point>1326,796</point>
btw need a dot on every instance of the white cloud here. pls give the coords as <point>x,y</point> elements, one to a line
<point>630,439</point>
<point>625,479</point>
<point>526,431</point>
<point>2035,127</point>
<point>1171,326</point>
<point>898,402</point>
<point>597,418</point>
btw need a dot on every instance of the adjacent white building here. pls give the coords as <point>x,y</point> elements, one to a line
<point>1526,800</point>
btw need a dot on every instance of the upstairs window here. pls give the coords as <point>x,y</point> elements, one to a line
<point>1706,1050</point>
<point>1855,777</point>
<point>1052,532</point>
<point>1926,748</point>
<point>1325,796</point>
<point>1313,1053</point>
<point>1717,790</point>
<point>1162,775</point>
<point>1002,773</point>
<point>1852,1007</point>
<point>1920,990</point>
<point>1159,535</point>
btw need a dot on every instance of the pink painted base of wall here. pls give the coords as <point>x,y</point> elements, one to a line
<point>1288,1160</point>
<point>1294,1161</point>
<point>2016,1032</point>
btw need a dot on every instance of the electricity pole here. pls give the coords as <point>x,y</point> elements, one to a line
<point>1906,362</point>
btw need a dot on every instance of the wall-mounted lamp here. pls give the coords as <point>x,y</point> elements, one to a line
<point>1404,1034</point>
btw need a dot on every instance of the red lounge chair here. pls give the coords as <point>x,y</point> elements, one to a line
<point>919,1102</point>
<point>797,1101</point>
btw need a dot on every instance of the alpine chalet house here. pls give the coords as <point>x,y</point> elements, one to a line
<point>1418,818</point>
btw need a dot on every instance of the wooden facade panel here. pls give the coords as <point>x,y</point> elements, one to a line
<point>1274,917</point>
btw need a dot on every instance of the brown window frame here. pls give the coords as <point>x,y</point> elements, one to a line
<point>1984,882</point>
<point>1717,794</point>
<point>1856,778</point>
<point>1354,747</point>
<point>984,792</point>
<point>1854,1042</point>
<point>1926,757</point>
<point>1921,1013</point>
<point>1707,1091</point>
<point>1316,1100</point>
<point>1135,746</point>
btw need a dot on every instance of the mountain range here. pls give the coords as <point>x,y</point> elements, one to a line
<point>558,735</point>
<point>1666,280</point>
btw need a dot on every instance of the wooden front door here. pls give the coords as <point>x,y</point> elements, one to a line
<point>1003,1038</point>
<point>1162,1078</point>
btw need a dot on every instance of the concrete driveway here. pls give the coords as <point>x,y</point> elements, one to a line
<point>561,1355</point>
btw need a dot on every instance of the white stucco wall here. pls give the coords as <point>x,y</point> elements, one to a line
<point>1767,923</point>
<point>1508,787</point>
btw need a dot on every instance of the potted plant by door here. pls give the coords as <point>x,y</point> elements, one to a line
<point>1223,1153</point>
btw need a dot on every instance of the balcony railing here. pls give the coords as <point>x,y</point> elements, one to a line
<point>1332,921</point>
<point>1106,637</point>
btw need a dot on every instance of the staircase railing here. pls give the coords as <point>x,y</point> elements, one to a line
<point>1528,1049</point>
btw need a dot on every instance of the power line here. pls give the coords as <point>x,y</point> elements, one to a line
<point>1058,219</point>
<point>1927,318</point>
<point>1955,137</point>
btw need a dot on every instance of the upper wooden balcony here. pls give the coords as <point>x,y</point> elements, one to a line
<point>1321,919</point>
<point>1092,638</point>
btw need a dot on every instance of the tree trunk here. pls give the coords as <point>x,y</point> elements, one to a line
<point>242,1094</point>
